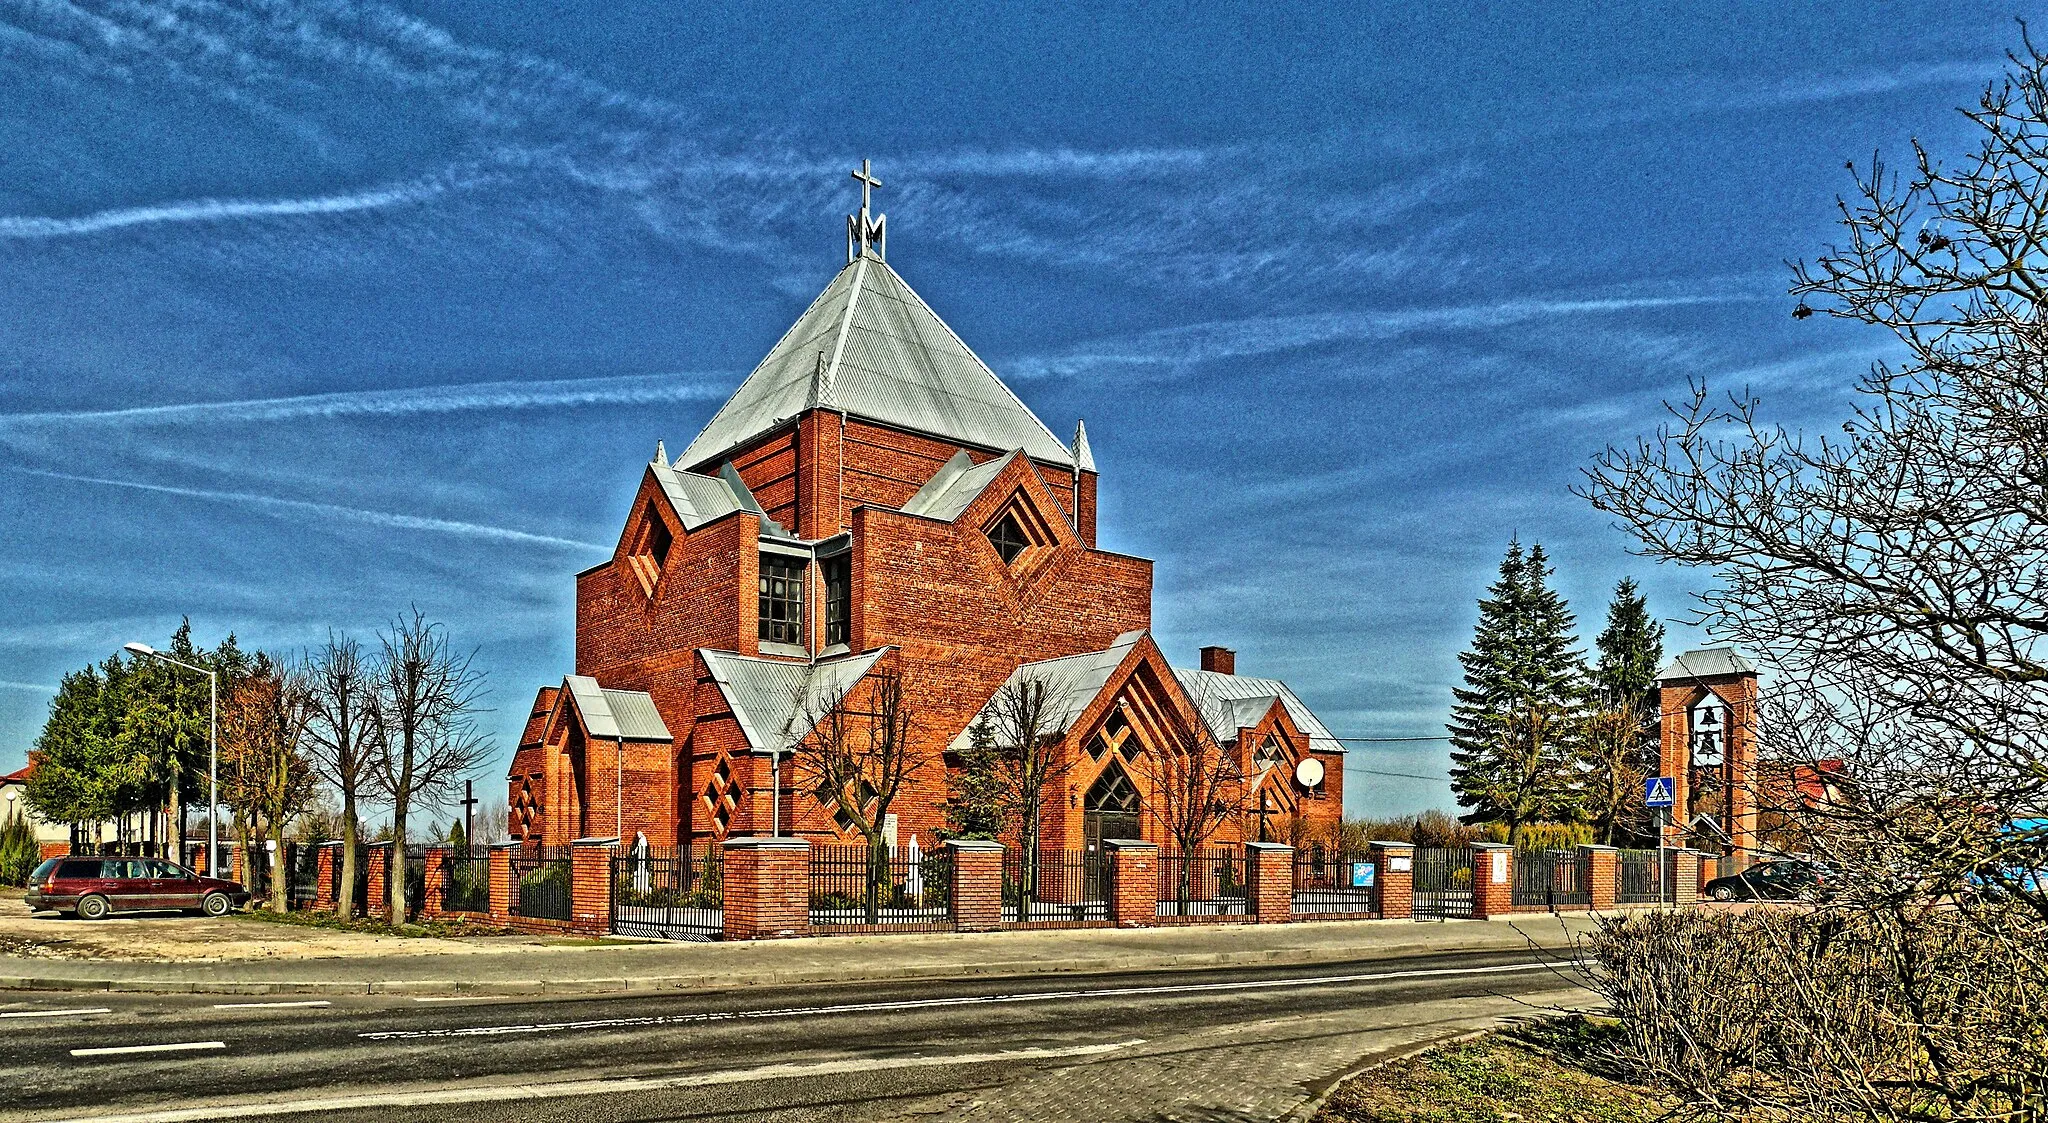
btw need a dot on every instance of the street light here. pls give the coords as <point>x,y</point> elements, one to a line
<point>212,752</point>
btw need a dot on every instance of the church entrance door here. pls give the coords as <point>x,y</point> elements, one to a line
<point>1110,811</point>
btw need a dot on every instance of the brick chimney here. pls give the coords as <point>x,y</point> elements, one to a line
<point>1222,660</point>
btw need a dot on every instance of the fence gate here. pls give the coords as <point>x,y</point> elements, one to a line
<point>1553,879</point>
<point>668,895</point>
<point>1639,876</point>
<point>1443,884</point>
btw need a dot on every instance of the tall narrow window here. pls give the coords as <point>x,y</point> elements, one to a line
<point>782,599</point>
<point>838,575</point>
<point>1008,538</point>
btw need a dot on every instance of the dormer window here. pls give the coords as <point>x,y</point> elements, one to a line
<point>650,549</point>
<point>1008,538</point>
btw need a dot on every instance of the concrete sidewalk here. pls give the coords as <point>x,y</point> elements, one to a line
<point>677,966</point>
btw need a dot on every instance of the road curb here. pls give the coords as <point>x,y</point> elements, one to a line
<point>1307,1112</point>
<point>728,979</point>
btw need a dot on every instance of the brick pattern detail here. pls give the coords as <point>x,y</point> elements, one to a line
<point>1686,884</point>
<point>435,871</point>
<point>1493,885</point>
<point>1135,870</point>
<point>1269,876</point>
<point>1606,866</point>
<point>1396,887</point>
<point>324,862</point>
<point>590,885</point>
<point>501,880</point>
<point>767,888</point>
<point>1738,695</point>
<point>379,862</point>
<point>48,850</point>
<point>977,885</point>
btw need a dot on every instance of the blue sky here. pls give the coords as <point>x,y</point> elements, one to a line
<point>315,310</point>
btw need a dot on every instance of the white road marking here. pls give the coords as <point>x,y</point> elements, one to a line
<point>55,1013</point>
<point>459,998</point>
<point>180,1047</point>
<point>267,1005</point>
<point>936,1003</point>
<point>626,1085</point>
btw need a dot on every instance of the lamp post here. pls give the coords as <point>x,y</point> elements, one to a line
<point>212,751</point>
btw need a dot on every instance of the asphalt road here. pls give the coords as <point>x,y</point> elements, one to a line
<point>1214,1045</point>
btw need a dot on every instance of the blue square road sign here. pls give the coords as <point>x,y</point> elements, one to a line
<point>1659,791</point>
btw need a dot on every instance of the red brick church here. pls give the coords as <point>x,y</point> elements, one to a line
<point>872,499</point>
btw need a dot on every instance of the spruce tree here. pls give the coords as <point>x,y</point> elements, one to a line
<point>1622,731</point>
<point>1631,647</point>
<point>1515,722</point>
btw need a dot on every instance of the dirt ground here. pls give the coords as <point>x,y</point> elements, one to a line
<point>186,939</point>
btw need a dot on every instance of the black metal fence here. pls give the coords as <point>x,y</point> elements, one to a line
<point>305,881</point>
<point>540,884</point>
<point>1553,879</point>
<point>465,882</point>
<point>415,877</point>
<point>1639,877</point>
<point>1202,883</point>
<point>902,890</point>
<point>1330,883</point>
<point>668,895</point>
<point>1062,889</point>
<point>1443,884</point>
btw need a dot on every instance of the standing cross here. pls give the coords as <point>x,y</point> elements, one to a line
<point>867,183</point>
<point>468,802</point>
<point>1265,814</point>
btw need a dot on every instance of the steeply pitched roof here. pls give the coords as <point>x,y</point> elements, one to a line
<point>959,482</point>
<point>768,696</point>
<point>887,357</point>
<point>627,715</point>
<point>1071,680</point>
<point>1708,662</point>
<point>1232,702</point>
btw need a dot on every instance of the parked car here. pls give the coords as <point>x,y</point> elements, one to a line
<point>1785,879</point>
<point>92,888</point>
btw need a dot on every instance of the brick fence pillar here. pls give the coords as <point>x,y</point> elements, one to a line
<point>1603,862</point>
<point>767,888</point>
<point>501,880</point>
<point>1134,878</point>
<point>977,885</point>
<point>1269,877</point>
<point>324,861</point>
<point>1685,888</point>
<point>1493,880</point>
<point>379,861</point>
<point>435,872</point>
<point>1394,870</point>
<point>590,885</point>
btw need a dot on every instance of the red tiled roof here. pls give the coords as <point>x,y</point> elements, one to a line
<point>19,775</point>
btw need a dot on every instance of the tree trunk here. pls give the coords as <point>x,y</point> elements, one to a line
<point>281,872</point>
<point>878,875</point>
<point>351,836</point>
<point>394,870</point>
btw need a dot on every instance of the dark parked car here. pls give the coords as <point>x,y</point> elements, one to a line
<point>95,887</point>
<point>1781,880</point>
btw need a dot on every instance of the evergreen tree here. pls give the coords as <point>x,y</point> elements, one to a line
<point>974,804</point>
<point>1621,733</point>
<point>83,774</point>
<point>1515,722</point>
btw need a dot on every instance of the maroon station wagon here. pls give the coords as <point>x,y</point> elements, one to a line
<point>94,887</point>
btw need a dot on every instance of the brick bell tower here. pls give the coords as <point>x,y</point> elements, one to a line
<point>1709,712</point>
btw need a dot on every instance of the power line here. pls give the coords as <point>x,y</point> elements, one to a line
<point>1402,775</point>
<point>1381,740</point>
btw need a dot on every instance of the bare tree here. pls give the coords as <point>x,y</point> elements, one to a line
<point>1196,783</point>
<point>1028,720</point>
<point>266,776</point>
<point>427,740</point>
<point>343,688</point>
<point>855,758</point>
<point>1894,580</point>
<point>1614,740</point>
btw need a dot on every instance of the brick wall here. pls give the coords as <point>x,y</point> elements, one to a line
<point>1269,882</point>
<point>1604,861</point>
<point>435,872</point>
<point>379,864</point>
<point>977,885</point>
<point>1135,900</point>
<point>590,885</point>
<point>1395,873</point>
<point>325,864</point>
<point>767,888</point>
<point>501,879</point>
<point>1493,880</point>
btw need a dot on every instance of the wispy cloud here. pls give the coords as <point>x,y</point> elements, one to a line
<point>637,389</point>
<point>222,210</point>
<point>30,687</point>
<point>386,519</point>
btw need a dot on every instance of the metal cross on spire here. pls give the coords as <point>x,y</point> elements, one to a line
<point>862,230</point>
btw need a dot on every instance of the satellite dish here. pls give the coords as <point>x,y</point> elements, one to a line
<point>1309,773</point>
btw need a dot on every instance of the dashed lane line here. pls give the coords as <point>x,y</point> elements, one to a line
<point>178,1047</point>
<point>939,1003</point>
<point>268,1005</point>
<point>70,1013</point>
<point>387,1101</point>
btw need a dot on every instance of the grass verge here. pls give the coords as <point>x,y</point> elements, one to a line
<point>1545,1072</point>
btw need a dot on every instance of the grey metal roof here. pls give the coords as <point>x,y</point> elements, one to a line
<point>1225,699</point>
<point>1707,662</point>
<point>959,482</point>
<point>627,715</point>
<point>887,357</point>
<point>768,696</point>
<point>1073,681</point>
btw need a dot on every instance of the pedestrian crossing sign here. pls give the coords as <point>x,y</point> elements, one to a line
<point>1659,791</point>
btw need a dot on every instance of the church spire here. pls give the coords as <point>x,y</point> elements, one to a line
<point>660,453</point>
<point>865,233</point>
<point>1084,460</point>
